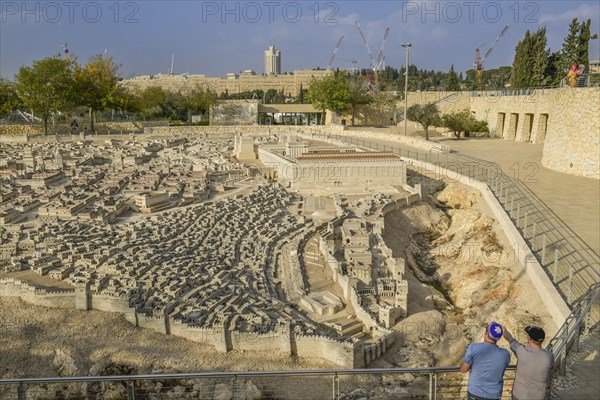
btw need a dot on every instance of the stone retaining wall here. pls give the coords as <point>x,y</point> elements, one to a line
<point>260,130</point>
<point>101,127</point>
<point>565,120</point>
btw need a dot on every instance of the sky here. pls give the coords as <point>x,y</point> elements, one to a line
<point>217,37</point>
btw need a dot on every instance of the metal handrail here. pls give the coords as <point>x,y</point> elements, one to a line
<point>194,375</point>
<point>568,331</point>
<point>432,383</point>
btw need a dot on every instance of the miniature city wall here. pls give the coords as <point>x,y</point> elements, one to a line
<point>342,353</point>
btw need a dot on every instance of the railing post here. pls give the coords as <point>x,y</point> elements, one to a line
<point>234,387</point>
<point>570,293</point>
<point>130,390</point>
<point>533,234</point>
<point>512,205</point>
<point>562,370</point>
<point>525,225</point>
<point>431,391</point>
<point>335,393</point>
<point>518,214</point>
<point>544,249</point>
<point>577,334</point>
<point>21,391</point>
<point>555,266</point>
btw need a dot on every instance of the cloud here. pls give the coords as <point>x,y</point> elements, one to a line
<point>584,11</point>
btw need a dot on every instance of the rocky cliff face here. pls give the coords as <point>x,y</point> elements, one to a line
<point>462,273</point>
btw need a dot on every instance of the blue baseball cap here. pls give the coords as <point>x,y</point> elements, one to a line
<point>495,331</point>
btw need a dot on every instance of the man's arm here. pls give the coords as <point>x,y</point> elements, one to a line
<point>464,367</point>
<point>507,335</point>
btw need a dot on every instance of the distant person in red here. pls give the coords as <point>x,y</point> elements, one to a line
<point>572,75</point>
<point>534,365</point>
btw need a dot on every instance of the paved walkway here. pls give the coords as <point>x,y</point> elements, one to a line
<point>574,199</point>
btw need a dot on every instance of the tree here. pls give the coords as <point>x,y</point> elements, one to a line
<point>359,94</point>
<point>540,56</point>
<point>152,99</point>
<point>425,114</point>
<point>452,84</point>
<point>194,100</point>
<point>330,93</point>
<point>383,103</point>
<point>583,43</point>
<point>97,86</point>
<point>575,48</point>
<point>9,100</point>
<point>460,121</point>
<point>531,61</point>
<point>569,53</point>
<point>521,69</point>
<point>46,86</point>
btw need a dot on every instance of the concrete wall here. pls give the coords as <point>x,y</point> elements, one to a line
<point>235,112</point>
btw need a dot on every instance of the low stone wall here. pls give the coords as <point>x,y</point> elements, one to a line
<point>258,130</point>
<point>101,128</point>
<point>417,143</point>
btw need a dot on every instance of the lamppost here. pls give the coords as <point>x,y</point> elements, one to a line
<point>406,46</point>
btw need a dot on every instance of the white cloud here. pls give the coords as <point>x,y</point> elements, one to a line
<point>584,11</point>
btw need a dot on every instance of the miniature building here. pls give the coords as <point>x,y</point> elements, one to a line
<point>149,200</point>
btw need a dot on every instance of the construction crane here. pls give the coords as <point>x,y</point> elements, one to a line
<point>339,43</point>
<point>380,56</point>
<point>372,83</point>
<point>479,61</point>
<point>376,64</point>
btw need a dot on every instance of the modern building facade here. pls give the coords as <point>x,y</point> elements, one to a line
<point>272,60</point>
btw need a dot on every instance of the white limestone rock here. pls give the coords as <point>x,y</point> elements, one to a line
<point>222,392</point>
<point>64,364</point>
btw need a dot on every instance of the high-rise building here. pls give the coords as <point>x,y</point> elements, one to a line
<point>272,60</point>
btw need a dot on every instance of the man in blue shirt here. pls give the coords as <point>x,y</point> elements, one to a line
<point>486,363</point>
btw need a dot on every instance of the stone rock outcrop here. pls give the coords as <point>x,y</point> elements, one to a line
<point>64,364</point>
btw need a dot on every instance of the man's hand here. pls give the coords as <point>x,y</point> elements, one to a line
<point>464,367</point>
